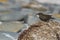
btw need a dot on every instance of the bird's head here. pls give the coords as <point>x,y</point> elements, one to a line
<point>39,14</point>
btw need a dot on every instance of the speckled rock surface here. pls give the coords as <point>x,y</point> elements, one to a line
<point>42,31</point>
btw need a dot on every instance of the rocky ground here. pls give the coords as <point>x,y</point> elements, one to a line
<point>42,31</point>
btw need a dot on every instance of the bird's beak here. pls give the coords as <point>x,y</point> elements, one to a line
<point>37,15</point>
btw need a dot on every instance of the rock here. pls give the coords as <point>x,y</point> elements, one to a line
<point>42,31</point>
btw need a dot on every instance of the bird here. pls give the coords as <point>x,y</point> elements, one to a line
<point>44,17</point>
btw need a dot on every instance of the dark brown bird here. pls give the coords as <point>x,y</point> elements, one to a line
<point>44,17</point>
